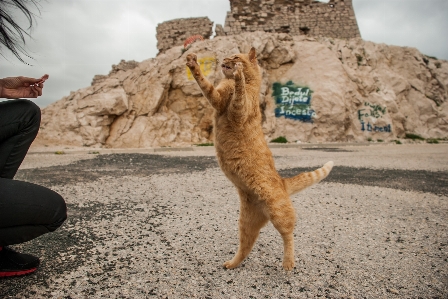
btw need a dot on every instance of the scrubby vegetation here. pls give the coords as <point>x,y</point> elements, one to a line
<point>414,136</point>
<point>280,139</point>
<point>432,140</point>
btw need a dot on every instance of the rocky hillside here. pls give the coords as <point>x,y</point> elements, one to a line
<point>314,90</point>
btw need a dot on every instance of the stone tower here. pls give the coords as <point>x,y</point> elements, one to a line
<point>175,32</point>
<point>296,17</point>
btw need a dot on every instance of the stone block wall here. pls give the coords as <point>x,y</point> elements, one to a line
<point>175,32</point>
<point>297,17</point>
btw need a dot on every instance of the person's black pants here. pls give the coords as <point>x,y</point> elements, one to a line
<point>26,210</point>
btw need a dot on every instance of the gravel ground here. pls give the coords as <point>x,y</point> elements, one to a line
<point>160,225</point>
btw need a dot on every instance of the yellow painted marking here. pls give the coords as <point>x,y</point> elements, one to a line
<point>207,65</point>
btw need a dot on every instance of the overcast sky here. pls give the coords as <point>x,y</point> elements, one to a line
<point>77,39</point>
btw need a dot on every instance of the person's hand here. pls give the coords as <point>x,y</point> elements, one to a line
<point>21,87</point>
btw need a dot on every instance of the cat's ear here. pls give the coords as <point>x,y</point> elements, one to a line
<point>252,55</point>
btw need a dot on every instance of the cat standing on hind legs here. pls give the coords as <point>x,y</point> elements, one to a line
<point>245,157</point>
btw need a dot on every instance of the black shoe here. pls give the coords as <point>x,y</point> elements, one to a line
<point>16,264</point>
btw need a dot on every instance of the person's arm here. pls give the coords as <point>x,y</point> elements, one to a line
<point>21,87</point>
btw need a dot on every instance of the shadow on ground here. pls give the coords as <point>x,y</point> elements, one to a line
<point>117,165</point>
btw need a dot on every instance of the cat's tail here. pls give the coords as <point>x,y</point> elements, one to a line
<point>306,179</point>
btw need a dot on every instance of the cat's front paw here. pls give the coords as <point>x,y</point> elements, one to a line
<point>238,70</point>
<point>192,60</point>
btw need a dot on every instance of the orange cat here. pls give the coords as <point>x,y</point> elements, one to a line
<point>245,157</point>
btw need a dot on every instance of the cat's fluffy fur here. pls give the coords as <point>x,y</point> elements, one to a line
<point>245,157</point>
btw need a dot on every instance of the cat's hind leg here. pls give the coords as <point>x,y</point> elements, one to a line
<point>252,219</point>
<point>283,217</point>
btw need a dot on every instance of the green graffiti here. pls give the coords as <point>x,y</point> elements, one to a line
<point>293,101</point>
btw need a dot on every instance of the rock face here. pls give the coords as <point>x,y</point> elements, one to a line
<point>314,90</point>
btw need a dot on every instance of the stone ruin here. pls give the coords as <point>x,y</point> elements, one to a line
<point>175,32</point>
<point>297,17</point>
<point>334,19</point>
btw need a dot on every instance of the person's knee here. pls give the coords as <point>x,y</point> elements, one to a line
<point>32,113</point>
<point>60,212</point>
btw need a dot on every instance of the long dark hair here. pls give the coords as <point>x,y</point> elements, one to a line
<point>12,36</point>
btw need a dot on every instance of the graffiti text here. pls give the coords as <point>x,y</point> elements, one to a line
<point>373,128</point>
<point>375,111</point>
<point>293,101</point>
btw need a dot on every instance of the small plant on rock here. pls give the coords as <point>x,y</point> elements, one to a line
<point>414,136</point>
<point>280,139</point>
